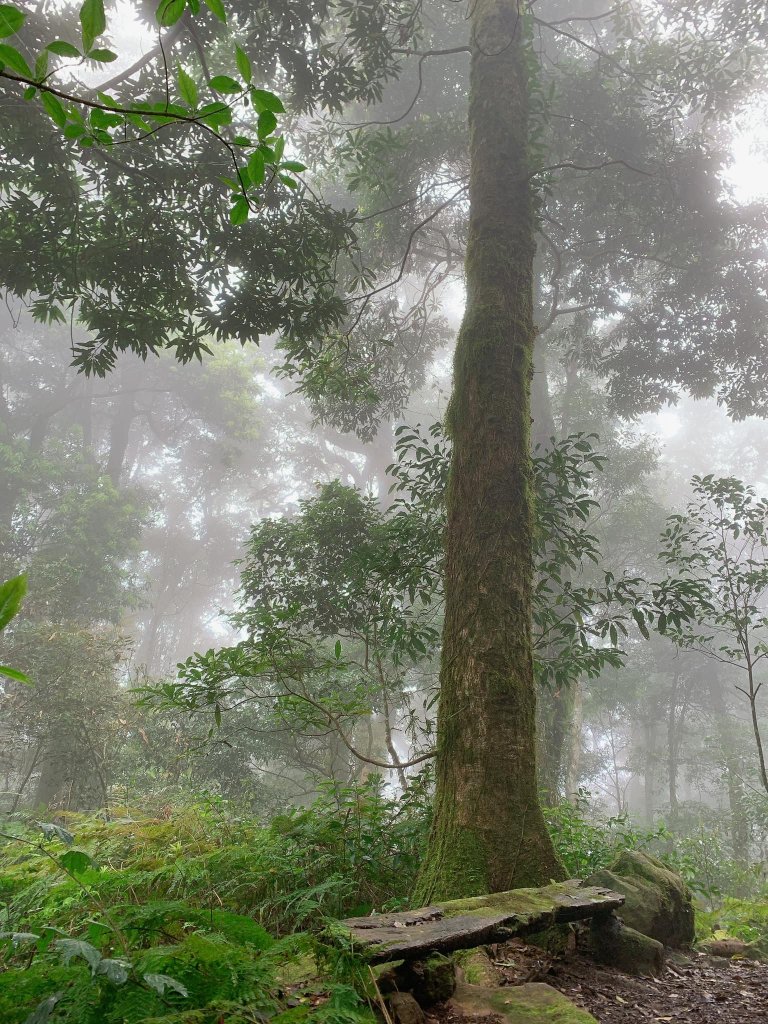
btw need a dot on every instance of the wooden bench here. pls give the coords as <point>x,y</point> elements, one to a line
<point>464,924</point>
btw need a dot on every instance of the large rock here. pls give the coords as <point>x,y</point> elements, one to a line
<point>469,923</point>
<point>615,945</point>
<point>475,967</point>
<point>658,903</point>
<point>533,1003</point>
<point>404,1009</point>
<point>431,981</point>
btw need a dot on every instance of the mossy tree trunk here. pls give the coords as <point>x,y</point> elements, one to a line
<point>489,833</point>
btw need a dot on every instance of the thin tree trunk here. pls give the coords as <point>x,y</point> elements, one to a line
<point>673,743</point>
<point>489,833</point>
<point>650,771</point>
<point>120,435</point>
<point>752,695</point>
<point>26,777</point>
<point>575,745</point>
<point>380,455</point>
<point>733,775</point>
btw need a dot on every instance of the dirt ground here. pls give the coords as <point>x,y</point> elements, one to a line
<point>694,989</point>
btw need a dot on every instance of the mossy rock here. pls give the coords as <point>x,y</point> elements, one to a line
<point>658,903</point>
<point>404,1009</point>
<point>615,945</point>
<point>475,967</point>
<point>533,1003</point>
<point>557,939</point>
<point>431,981</point>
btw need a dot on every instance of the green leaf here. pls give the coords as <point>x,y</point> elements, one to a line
<point>13,673</point>
<point>101,119</point>
<point>41,65</point>
<point>62,48</point>
<point>215,114</point>
<point>54,109</point>
<point>30,92</point>
<point>161,982</point>
<point>70,948</point>
<point>263,100</point>
<point>288,180</point>
<point>223,83</point>
<point>11,595</point>
<point>75,860</point>
<point>169,11</point>
<point>640,621</point>
<point>138,122</point>
<point>10,55</point>
<point>337,650</point>
<point>217,8</point>
<point>11,20</point>
<point>100,135</point>
<point>19,937</point>
<point>102,56</point>
<point>74,131</point>
<point>293,165</point>
<point>256,168</point>
<point>113,970</point>
<point>267,124</point>
<point>53,831</point>
<point>42,1012</point>
<point>187,87</point>
<point>279,149</point>
<point>243,65</point>
<point>239,212</point>
<point>92,21</point>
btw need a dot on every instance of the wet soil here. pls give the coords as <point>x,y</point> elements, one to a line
<point>694,988</point>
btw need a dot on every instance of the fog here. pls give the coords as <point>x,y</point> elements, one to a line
<point>133,501</point>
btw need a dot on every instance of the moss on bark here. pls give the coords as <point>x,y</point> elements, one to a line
<point>489,833</point>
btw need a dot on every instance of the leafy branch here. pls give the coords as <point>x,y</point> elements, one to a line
<point>106,122</point>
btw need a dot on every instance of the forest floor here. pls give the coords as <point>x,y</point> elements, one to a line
<point>693,988</point>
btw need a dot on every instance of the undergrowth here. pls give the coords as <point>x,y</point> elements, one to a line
<point>199,916</point>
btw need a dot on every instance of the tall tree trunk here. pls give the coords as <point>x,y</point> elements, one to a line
<point>732,769</point>
<point>120,433</point>
<point>489,833</point>
<point>556,705</point>
<point>674,731</point>
<point>379,455</point>
<point>651,754</point>
<point>575,747</point>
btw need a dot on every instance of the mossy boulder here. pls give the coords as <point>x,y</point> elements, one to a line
<point>475,967</point>
<point>404,1009</point>
<point>658,903</point>
<point>431,981</point>
<point>558,939</point>
<point>615,945</point>
<point>533,1003</point>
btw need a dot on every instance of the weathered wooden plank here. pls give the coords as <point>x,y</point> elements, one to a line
<point>463,924</point>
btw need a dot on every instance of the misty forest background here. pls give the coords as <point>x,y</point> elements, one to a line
<point>233,621</point>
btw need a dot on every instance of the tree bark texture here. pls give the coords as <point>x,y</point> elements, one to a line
<point>489,833</point>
